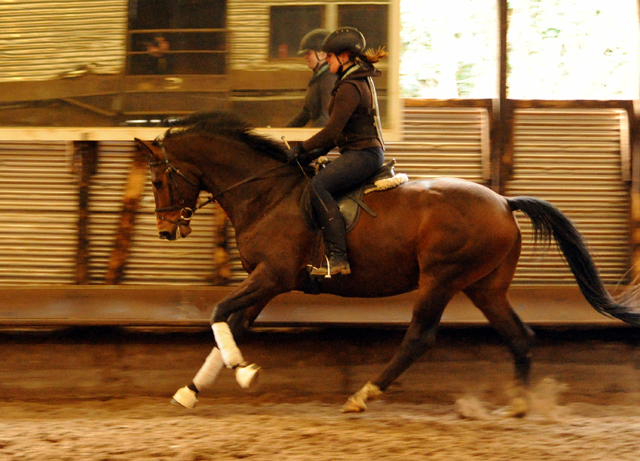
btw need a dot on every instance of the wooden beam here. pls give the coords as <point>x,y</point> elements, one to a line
<point>634,219</point>
<point>133,194</point>
<point>486,103</point>
<point>502,161</point>
<point>569,104</point>
<point>85,160</point>
<point>221,258</point>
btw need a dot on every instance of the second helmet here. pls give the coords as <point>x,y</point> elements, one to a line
<point>313,40</point>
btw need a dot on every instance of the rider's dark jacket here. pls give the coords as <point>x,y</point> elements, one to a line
<point>316,100</point>
<point>351,123</point>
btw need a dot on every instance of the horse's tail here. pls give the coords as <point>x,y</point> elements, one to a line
<point>549,221</point>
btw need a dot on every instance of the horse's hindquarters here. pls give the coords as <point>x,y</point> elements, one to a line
<point>451,230</point>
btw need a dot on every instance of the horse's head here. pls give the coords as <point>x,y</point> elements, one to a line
<point>176,187</point>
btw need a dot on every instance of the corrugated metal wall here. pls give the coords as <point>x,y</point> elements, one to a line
<point>48,39</point>
<point>443,142</point>
<point>39,212</point>
<point>572,158</point>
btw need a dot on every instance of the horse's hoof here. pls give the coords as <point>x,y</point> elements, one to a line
<point>518,408</point>
<point>248,376</point>
<point>357,402</point>
<point>354,405</point>
<point>185,397</point>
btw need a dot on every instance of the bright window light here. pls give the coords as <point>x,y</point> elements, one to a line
<point>573,49</point>
<point>449,49</point>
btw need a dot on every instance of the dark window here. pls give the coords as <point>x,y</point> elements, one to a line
<point>288,25</point>
<point>177,37</point>
<point>177,14</point>
<point>371,20</point>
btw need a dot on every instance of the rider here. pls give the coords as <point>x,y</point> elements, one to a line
<point>354,128</point>
<point>318,92</point>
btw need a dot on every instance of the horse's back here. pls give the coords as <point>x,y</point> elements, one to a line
<point>442,198</point>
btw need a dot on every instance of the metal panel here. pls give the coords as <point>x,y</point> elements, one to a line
<point>442,142</point>
<point>38,209</point>
<point>572,158</point>
<point>48,39</point>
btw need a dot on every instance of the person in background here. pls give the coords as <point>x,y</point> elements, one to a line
<point>157,49</point>
<point>314,111</point>
<point>353,127</point>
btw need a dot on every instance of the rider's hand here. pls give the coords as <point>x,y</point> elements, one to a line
<point>293,153</point>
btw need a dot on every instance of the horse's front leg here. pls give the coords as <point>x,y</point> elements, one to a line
<point>208,373</point>
<point>250,297</point>
<point>258,289</point>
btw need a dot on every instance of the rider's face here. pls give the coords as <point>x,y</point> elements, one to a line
<point>335,61</point>
<point>311,58</point>
<point>314,58</point>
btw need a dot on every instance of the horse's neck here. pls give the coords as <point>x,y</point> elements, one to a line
<point>225,173</point>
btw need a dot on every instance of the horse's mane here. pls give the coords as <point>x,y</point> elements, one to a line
<point>224,124</point>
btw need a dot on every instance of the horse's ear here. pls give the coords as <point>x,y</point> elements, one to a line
<point>143,146</point>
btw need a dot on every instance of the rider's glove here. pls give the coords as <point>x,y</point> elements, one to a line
<point>294,152</point>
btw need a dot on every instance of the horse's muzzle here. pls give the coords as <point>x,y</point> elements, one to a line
<point>185,229</point>
<point>166,235</point>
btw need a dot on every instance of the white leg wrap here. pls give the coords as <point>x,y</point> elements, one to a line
<point>208,373</point>
<point>248,376</point>
<point>231,355</point>
<point>185,397</point>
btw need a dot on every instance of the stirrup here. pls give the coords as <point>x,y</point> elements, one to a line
<point>329,270</point>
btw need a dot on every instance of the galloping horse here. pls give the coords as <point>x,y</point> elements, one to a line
<point>438,237</point>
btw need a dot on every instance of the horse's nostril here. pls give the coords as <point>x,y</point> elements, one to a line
<point>165,235</point>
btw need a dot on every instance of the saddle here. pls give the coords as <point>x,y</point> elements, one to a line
<point>350,202</point>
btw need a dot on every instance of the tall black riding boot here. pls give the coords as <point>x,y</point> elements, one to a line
<point>335,242</point>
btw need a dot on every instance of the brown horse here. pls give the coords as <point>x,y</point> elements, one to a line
<point>438,237</point>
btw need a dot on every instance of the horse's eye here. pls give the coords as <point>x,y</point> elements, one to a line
<point>157,184</point>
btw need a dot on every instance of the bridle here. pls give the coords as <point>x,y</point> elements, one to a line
<point>186,213</point>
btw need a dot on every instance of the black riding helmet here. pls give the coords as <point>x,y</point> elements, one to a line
<point>313,40</point>
<point>343,39</point>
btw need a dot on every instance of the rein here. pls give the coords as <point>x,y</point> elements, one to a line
<point>184,209</point>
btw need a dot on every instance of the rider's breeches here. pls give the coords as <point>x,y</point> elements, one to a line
<point>351,168</point>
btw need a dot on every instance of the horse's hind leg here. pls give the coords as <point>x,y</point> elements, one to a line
<point>420,335</point>
<point>490,296</point>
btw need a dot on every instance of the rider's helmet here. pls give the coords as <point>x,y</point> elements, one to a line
<point>344,39</point>
<point>313,40</point>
